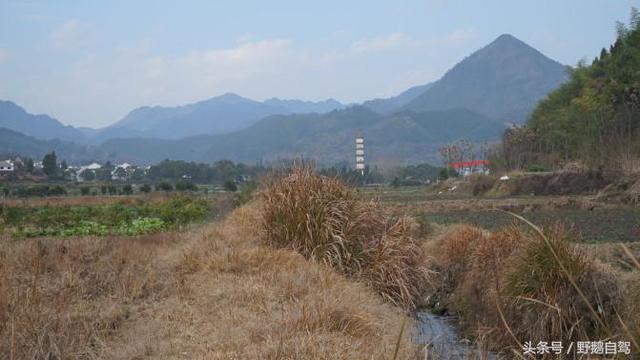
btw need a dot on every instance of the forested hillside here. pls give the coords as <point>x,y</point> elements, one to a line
<point>593,119</point>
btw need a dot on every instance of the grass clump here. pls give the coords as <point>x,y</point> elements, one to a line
<point>321,218</point>
<point>514,285</point>
<point>560,292</point>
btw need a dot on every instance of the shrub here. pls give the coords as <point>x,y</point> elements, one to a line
<point>185,185</point>
<point>164,186</point>
<point>229,185</point>
<point>85,190</point>
<point>40,190</point>
<point>246,192</point>
<point>535,168</point>
<point>127,189</point>
<point>145,188</point>
<point>322,219</point>
<point>448,172</point>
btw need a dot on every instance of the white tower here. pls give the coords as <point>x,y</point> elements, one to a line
<point>360,153</point>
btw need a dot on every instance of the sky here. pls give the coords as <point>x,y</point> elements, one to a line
<point>88,63</point>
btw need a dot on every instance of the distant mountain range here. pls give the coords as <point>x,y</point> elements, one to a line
<point>404,137</point>
<point>15,118</point>
<point>389,105</point>
<point>498,84</point>
<point>218,115</point>
<point>15,143</point>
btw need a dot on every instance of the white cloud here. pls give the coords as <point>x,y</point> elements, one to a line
<point>461,36</point>
<point>98,90</point>
<point>71,34</point>
<point>381,43</point>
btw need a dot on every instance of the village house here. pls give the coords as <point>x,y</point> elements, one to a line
<point>122,171</point>
<point>6,168</point>
<point>81,169</point>
<point>466,168</point>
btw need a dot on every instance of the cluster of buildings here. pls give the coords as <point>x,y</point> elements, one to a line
<point>121,171</point>
<point>466,168</point>
<point>9,167</point>
<point>117,172</point>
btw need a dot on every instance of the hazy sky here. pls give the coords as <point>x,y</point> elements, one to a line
<point>90,62</point>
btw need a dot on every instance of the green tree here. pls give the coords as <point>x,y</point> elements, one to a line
<point>164,186</point>
<point>231,186</point>
<point>127,189</point>
<point>145,188</point>
<point>28,165</point>
<point>185,185</point>
<point>88,175</point>
<point>50,164</point>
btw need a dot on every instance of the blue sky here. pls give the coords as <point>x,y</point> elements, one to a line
<point>88,63</point>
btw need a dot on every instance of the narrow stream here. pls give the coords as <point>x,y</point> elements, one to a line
<point>437,335</point>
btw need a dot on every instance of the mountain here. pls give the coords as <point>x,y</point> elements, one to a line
<point>405,137</point>
<point>388,105</point>
<point>504,81</point>
<point>15,118</point>
<point>305,107</point>
<point>12,142</point>
<point>220,114</point>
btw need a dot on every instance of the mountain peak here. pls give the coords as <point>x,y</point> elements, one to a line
<point>506,37</point>
<point>230,95</point>
<point>508,41</point>
<point>503,80</point>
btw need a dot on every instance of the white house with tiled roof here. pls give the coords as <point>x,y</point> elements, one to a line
<point>6,168</point>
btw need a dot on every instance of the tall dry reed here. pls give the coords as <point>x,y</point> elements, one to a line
<point>322,219</point>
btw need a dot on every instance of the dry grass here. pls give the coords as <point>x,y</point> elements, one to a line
<point>512,286</point>
<point>272,303</point>
<point>546,299</point>
<point>321,218</point>
<point>212,292</point>
<point>63,298</point>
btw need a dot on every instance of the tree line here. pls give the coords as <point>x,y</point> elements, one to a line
<point>592,121</point>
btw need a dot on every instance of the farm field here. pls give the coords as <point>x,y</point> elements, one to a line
<point>202,285</point>
<point>107,215</point>
<point>592,221</point>
<point>184,275</point>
